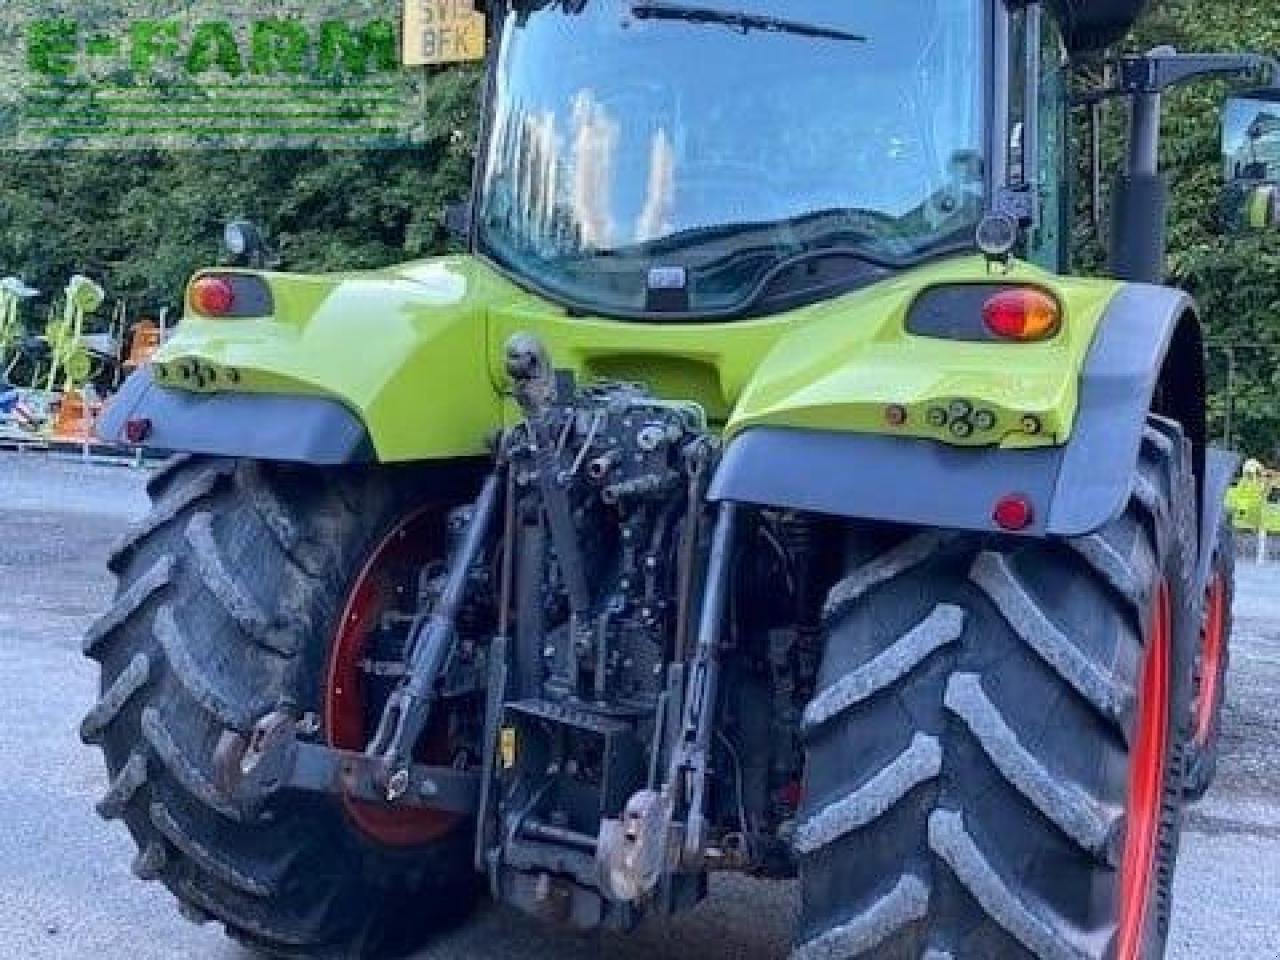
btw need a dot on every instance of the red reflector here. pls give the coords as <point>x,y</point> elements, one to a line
<point>1014,513</point>
<point>136,431</point>
<point>792,795</point>
<point>1023,313</point>
<point>213,296</point>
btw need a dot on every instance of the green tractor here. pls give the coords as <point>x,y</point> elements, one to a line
<point>759,493</point>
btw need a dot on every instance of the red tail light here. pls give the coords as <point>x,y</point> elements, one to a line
<point>137,430</point>
<point>1024,314</point>
<point>1014,513</point>
<point>213,296</point>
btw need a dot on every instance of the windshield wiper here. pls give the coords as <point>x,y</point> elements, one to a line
<point>811,227</point>
<point>739,20</point>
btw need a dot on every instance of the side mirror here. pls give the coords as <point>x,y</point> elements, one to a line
<point>1251,161</point>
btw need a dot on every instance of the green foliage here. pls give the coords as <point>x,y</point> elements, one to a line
<point>1235,279</point>
<point>142,222</point>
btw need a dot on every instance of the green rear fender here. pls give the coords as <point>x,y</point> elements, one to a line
<point>403,350</point>
<point>414,357</point>
<point>852,361</point>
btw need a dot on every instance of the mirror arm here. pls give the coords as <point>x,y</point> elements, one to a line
<point>1140,199</point>
<point>1165,68</point>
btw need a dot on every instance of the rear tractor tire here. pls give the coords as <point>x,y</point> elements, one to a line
<point>252,588</point>
<point>995,749</point>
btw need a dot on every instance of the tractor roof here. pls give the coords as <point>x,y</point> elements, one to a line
<point>1090,25</point>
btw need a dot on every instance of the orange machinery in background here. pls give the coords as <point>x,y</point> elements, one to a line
<point>144,341</point>
<point>78,410</point>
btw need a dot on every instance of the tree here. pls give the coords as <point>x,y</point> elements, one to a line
<point>141,222</point>
<point>1236,280</point>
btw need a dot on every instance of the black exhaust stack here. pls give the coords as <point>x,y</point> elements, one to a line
<point>1140,198</point>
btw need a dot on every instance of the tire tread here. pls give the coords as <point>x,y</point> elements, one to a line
<point>1027,703</point>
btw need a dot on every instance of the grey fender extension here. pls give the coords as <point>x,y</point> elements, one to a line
<point>1075,490</point>
<point>295,429</point>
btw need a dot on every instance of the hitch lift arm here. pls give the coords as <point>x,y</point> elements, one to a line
<point>273,760</point>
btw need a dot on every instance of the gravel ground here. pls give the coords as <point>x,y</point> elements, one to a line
<point>65,886</point>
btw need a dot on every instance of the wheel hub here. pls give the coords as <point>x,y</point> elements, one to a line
<point>384,590</point>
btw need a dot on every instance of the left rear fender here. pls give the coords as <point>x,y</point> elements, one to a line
<point>283,427</point>
<point>388,365</point>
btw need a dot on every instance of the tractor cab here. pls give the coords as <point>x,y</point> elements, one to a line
<point>695,160</point>
<point>666,160</point>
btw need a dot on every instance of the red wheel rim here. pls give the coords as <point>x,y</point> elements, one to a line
<point>409,547</point>
<point>1213,646</point>
<point>1147,780</point>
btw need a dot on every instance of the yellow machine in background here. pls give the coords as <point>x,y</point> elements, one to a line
<point>12,294</point>
<point>20,420</point>
<point>1254,502</point>
<point>70,363</point>
<point>53,386</point>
